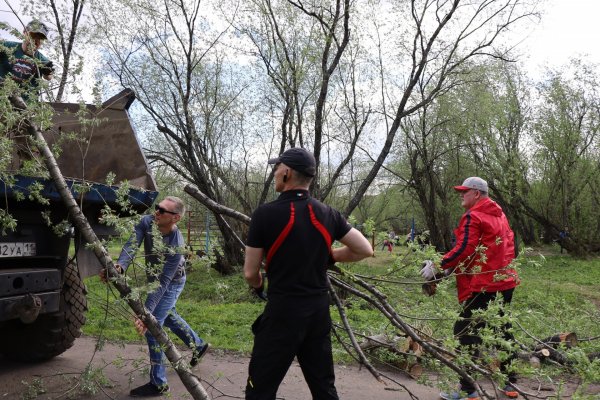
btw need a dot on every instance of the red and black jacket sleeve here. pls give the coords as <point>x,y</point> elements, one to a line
<point>468,237</point>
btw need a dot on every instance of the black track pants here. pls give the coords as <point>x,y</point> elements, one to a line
<point>466,329</point>
<point>278,337</point>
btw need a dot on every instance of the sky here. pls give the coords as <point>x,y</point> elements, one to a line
<point>568,28</point>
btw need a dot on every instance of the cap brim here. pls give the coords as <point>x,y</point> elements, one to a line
<point>461,188</point>
<point>274,160</point>
<point>40,33</point>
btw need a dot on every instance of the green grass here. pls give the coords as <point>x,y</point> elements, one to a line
<point>560,294</point>
<point>557,294</point>
<point>220,309</point>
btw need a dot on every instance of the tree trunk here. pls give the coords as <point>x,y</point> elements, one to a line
<point>190,381</point>
<point>231,253</point>
<point>233,246</point>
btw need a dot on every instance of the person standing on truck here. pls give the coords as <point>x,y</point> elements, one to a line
<point>167,267</point>
<point>294,234</point>
<point>480,260</point>
<point>23,62</point>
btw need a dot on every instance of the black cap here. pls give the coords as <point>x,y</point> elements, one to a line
<point>298,159</point>
<point>36,26</point>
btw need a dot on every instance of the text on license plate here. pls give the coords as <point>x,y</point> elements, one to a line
<point>17,249</point>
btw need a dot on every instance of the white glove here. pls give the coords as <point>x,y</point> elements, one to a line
<point>428,271</point>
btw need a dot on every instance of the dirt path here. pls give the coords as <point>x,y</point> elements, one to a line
<point>119,368</point>
<point>223,375</point>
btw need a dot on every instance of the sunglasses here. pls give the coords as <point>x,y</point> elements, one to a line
<point>161,210</point>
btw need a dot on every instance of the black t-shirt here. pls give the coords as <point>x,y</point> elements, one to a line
<point>299,265</point>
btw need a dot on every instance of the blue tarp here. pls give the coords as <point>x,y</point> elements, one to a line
<point>97,194</point>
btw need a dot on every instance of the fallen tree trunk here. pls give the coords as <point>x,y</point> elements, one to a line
<point>568,339</point>
<point>548,348</point>
<point>190,381</point>
<point>409,351</point>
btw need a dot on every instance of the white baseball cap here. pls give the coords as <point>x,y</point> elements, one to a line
<point>473,182</point>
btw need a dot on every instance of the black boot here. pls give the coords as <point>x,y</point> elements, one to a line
<point>149,390</point>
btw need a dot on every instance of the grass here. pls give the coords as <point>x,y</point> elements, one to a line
<point>221,310</point>
<point>557,294</point>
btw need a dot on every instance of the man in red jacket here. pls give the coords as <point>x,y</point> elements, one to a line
<point>480,261</point>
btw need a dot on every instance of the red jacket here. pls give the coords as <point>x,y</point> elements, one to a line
<point>483,251</point>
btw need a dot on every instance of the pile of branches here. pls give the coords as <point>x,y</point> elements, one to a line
<point>413,345</point>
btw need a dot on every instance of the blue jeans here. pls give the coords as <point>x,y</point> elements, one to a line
<point>166,315</point>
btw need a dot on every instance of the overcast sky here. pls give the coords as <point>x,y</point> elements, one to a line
<point>568,28</point>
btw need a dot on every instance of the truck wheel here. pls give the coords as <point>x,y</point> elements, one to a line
<point>51,334</point>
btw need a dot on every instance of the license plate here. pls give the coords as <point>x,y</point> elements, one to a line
<point>17,249</point>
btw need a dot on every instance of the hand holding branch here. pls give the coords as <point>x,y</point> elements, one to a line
<point>140,327</point>
<point>103,275</point>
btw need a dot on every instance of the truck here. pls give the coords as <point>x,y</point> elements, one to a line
<point>43,259</point>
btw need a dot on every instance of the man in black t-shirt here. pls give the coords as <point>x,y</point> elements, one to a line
<point>294,235</point>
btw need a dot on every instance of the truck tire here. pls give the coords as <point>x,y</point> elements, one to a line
<point>51,334</point>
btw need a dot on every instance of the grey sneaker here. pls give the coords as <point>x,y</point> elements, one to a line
<point>459,396</point>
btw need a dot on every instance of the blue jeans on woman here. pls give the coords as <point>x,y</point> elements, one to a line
<point>166,315</point>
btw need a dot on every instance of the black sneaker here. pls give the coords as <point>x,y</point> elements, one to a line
<point>198,353</point>
<point>149,390</point>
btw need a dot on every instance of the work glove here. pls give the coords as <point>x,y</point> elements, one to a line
<point>47,69</point>
<point>428,270</point>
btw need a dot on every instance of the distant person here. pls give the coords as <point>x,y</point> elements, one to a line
<point>562,237</point>
<point>387,245</point>
<point>393,238</point>
<point>481,275</point>
<point>293,235</point>
<point>23,62</point>
<point>168,268</point>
